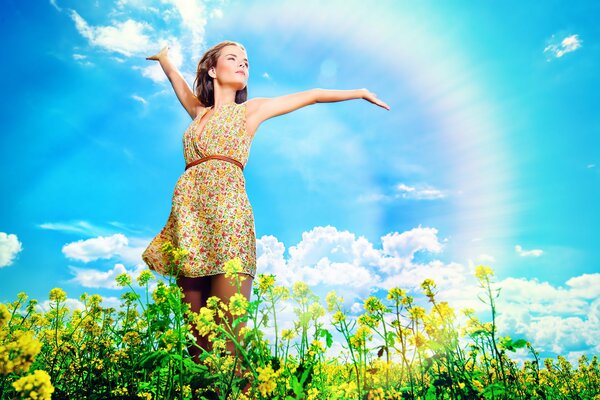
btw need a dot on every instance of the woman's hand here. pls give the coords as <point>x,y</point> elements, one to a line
<point>372,97</point>
<point>160,54</point>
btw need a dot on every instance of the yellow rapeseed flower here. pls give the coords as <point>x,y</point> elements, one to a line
<point>232,267</point>
<point>144,277</point>
<point>17,355</point>
<point>35,386</point>
<point>333,301</point>
<point>238,304</point>
<point>265,282</point>
<point>58,295</point>
<point>483,273</point>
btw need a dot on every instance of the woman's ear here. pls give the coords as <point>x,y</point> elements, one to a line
<point>211,73</point>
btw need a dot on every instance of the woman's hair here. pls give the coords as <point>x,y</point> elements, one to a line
<point>203,84</point>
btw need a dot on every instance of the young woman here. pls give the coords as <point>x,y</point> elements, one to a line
<point>211,216</point>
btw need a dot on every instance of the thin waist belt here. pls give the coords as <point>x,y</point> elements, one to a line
<point>215,157</point>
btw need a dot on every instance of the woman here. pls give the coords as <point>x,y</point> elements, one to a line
<point>211,216</point>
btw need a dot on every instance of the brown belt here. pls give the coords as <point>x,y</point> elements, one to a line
<point>215,157</point>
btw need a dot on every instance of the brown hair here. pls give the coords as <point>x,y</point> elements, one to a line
<point>203,84</point>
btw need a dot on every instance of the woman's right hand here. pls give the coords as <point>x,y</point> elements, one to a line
<point>160,54</point>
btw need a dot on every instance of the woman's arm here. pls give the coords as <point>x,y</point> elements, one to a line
<point>185,95</point>
<point>261,109</point>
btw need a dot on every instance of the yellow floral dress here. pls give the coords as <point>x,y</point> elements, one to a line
<point>211,216</point>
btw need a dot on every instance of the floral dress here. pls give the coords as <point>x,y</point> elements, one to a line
<point>211,216</point>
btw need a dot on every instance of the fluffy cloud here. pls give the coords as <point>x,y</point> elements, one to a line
<point>94,278</point>
<point>528,253</point>
<point>127,38</point>
<point>561,319</point>
<point>557,48</point>
<point>9,248</point>
<point>95,248</point>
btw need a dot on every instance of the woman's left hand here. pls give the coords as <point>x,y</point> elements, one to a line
<point>372,97</point>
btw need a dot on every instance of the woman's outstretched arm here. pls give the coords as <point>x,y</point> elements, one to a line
<point>261,109</point>
<point>183,91</point>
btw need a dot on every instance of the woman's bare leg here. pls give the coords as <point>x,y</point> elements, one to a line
<point>196,291</point>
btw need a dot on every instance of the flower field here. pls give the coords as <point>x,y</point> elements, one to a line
<point>397,349</point>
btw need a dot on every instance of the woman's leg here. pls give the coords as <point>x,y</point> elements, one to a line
<point>224,288</point>
<point>196,291</point>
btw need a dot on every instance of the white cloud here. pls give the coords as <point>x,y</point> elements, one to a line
<point>329,259</point>
<point>127,38</point>
<point>193,18</point>
<point>9,248</point>
<point>403,191</point>
<point>94,278</point>
<point>128,250</point>
<point>528,253</point>
<point>80,227</point>
<point>53,3</point>
<point>557,48</point>
<point>95,248</point>
<point>139,98</point>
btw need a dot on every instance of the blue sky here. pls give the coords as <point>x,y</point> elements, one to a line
<point>490,152</point>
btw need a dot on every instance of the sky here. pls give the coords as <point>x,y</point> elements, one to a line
<point>489,155</point>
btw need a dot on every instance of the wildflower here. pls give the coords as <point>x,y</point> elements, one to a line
<point>232,267</point>
<point>300,289</point>
<point>316,310</point>
<point>213,302</point>
<point>359,339</point>
<point>167,247</point>
<point>265,282</point>
<point>4,315</point>
<point>428,286</point>
<point>58,295</point>
<point>333,301</point>
<point>205,321</point>
<point>18,354</point>
<point>416,313</point>
<point>339,317</point>
<point>123,280</point>
<point>312,394</point>
<point>35,386</point>
<point>281,292</point>
<point>144,277</point>
<point>374,305</point>
<point>266,377</point>
<point>396,294</point>
<point>145,395</point>
<point>288,334</point>
<point>179,254</point>
<point>483,273</point>
<point>238,304</point>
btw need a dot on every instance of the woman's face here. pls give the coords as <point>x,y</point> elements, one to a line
<point>232,67</point>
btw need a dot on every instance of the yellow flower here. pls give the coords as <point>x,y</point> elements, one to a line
<point>144,277</point>
<point>483,273</point>
<point>333,301</point>
<point>396,294</point>
<point>4,315</point>
<point>232,267</point>
<point>316,310</point>
<point>35,386</point>
<point>266,377</point>
<point>123,279</point>
<point>339,317</point>
<point>238,304</point>
<point>288,334</point>
<point>265,282</point>
<point>373,305</point>
<point>18,353</point>
<point>58,295</point>
<point>167,247</point>
<point>300,289</point>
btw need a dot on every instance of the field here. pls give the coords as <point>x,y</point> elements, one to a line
<point>140,350</point>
